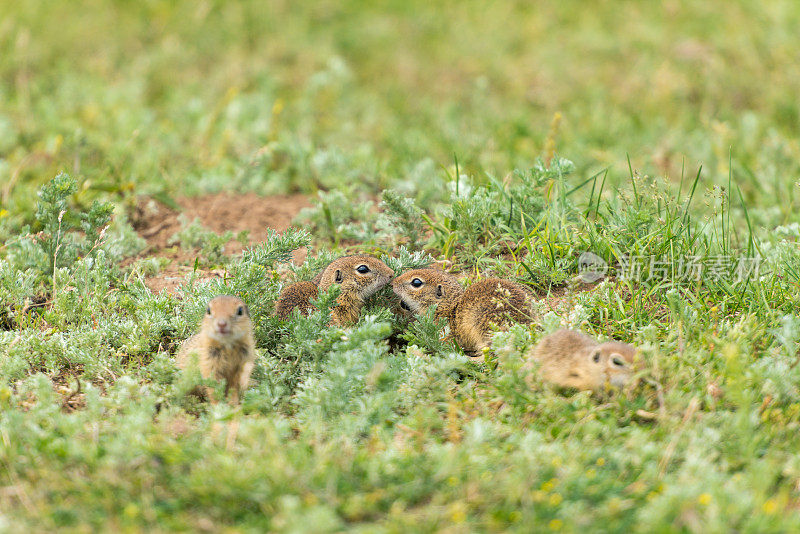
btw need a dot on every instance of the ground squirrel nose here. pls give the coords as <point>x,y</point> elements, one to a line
<point>222,325</point>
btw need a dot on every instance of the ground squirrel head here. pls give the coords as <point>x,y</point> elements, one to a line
<point>227,319</point>
<point>617,360</point>
<point>360,275</point>
<point>419,289</point>
<point>594,367</point>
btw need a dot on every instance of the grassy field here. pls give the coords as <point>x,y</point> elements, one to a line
<point>503,139</point>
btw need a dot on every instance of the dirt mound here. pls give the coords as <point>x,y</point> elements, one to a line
<point>173,277</point>
<point>220,212</point>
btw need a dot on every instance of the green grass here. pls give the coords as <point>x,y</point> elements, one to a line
<point>506,139</point>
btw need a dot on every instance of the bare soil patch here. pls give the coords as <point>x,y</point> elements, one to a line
<point>157,223</point>
<point>219,212</point>
<point>173,277</point>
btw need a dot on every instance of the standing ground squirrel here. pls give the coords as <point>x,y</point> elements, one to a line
<point>359,276</point>
<point>573,359</point>
<point>470,312</point>
<point>224,346</point>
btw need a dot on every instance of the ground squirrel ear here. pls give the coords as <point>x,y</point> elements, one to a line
<point>439,291</point>
<point>339,276</point>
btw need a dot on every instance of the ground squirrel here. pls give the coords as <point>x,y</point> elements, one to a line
<point>298,295</point>
<point>359,277</point>
<point>573,359</point>
<point>470,312</point>
<point>224,346</point>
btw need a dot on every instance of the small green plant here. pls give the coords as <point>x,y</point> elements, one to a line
<point>401,218</point>
<point>337,217</point>
<point>212,245</point>
<point>58,241</point>
<point>427,333</point>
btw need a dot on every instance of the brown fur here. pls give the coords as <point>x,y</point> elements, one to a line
<point>223,353</point>
<point>356,288</point>
<point>573,359</point>
<point>486,303</point>
<point>298,295</point>
<point>471,313</point>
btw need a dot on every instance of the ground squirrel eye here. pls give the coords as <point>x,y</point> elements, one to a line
<point>416,282</point>
<point>240,311</point>
<point>618,361</point>
<point>363,269</point>
<point>596,357</point>
<point>208,310</point>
